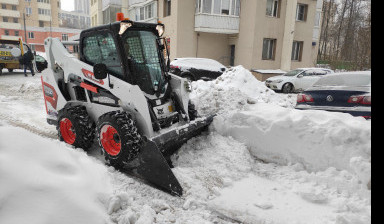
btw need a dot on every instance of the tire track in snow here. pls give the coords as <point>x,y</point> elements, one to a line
<point>18,123</point>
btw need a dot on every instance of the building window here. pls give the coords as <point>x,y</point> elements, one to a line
<point>28,10</point>
<point>43,1</point>
<point>31,35</point>
<point>17,33</point>
<point>218,7</point>
<point>317,19</point>
<point>145,12</point>
<point>41,23</point>
<point>301,12</point>
<point>167,8</point>
<point>44,11</point>
<point>27,0</point>
<point>3,6</point>
<point>15,20</point>
<point>64,37</point>
<point>297,50</point>
<point>269,49</point>
<point>6,32</point>
<point>5,19</point>
<point>14,7</point>
<point>273,8</point>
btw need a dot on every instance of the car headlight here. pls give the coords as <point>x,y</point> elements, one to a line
<point>188,86</point>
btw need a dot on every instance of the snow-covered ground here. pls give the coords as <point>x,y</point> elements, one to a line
<point>260,162</point>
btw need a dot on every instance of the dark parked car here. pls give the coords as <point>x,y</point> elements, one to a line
<point>41,63</point>
<point>348,92</point>
<point>197,68</point>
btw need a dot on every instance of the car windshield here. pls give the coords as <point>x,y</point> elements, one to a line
<point>345,80</point>
<point>293,72</point>
<point>143,59</point>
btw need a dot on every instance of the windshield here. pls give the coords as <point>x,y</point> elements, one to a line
<point>293,72</point>
<point>345,80</point>
<point>143,59</point>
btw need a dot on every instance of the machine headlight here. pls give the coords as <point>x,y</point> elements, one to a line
<point>188,86</point>
<point>160,29</point>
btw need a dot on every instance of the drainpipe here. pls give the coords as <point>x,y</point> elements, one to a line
<point>289,31</point>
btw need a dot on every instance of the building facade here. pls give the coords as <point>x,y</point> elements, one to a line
<point>41,18</point>
<point>258,34</point>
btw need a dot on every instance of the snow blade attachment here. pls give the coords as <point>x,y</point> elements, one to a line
<point>151,163</point>
<point>155,169</point>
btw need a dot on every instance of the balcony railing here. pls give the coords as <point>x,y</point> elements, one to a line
<point>11,2</point>
<point>44,17</point>
<point>14,26</point>
<point>9,13</point>
<point>217,23</point>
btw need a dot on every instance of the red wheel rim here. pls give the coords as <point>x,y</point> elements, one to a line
<point>67,132</point>
<point>110,140</point>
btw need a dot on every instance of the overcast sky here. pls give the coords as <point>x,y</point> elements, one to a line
<point>67,5</point>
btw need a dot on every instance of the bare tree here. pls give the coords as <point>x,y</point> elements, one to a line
<point>345,39</point>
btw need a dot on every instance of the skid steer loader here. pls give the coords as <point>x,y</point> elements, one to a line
<point>120,91</point>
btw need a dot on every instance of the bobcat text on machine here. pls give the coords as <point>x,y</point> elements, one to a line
<point>121,92</point>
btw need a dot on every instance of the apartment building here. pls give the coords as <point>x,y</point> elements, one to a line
<point>43,18</point>
<point>258,34</point>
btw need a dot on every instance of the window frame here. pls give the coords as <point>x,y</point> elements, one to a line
<point>167,8</point>
<point>276,7</point>
<point>64,35</point>
<point>31,35</point>
<point>234,7</point>
<point>305,12</point>
<point>83,56</point>
<point>297,51</point>
<point>266,55</point>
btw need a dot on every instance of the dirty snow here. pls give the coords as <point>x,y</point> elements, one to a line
<point>261,161</point>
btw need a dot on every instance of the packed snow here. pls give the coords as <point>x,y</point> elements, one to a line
<point>261,161</point>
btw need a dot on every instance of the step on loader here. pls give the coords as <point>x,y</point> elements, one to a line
<point>120,92</point>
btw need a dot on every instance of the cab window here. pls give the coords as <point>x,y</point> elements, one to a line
<point>101,48</point>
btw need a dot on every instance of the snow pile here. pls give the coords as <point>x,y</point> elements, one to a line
<point>235,90</point>
<point>316,139</point>
<point>47,182</point>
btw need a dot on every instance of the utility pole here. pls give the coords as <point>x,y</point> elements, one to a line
<point>25,29</point>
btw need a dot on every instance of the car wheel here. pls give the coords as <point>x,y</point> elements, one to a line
<point>10,70</point>
<point>287,88</point>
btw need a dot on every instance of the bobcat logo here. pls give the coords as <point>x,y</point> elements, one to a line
<point>160,111</point>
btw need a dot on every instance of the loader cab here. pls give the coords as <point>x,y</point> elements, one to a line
<point>135,55</point>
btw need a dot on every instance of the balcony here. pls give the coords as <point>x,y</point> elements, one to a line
<point>11,26</point>
<point>223,24</point>
<point>11,2</point>
<point>44,18</point>
<point>9,13</point>
<point>4,37</point>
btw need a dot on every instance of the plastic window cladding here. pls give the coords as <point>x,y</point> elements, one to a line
<point>101,48</point>
<point>273,8</point>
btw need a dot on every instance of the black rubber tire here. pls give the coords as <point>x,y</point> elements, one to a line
<point>10,70</point>
<point>192,112</point>
<point>287,88</point>
<point>188,76</point>
<point>83,125</point>
<point>130,139</point>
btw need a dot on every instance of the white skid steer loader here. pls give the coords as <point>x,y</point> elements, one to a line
<point>120,91</point>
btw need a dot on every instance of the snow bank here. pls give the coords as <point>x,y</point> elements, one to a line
<point>44,181</point>
<point>251,113</point>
